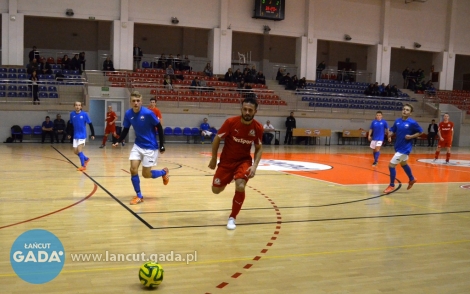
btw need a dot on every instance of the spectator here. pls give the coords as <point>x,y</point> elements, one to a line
<point>290,126</point>
<point>168,83</point>
<point>185,63</point>
<point>82,61</point>
<point>280,74</point>
<point>204,88</point>
<point>268,133</point>
<point>195,84</point>
<point>33,54</point>
<point>75,63</point>
<point>45,68</point>
<point>292,83</point>
<point>432,132</point>
<point>405,74</point>
<point>208,70</point>
<point>302,83</point>
<point>170,72</point>
<point>205,131</point>
<point>394,91</point>
<point>285,79</point>
<point>320,69</point>
<point>178,62</point>
<point>137,52</point>
<point>35,87</point>
<point>108,64</point>
<point>66,62</point>
<point>229,77</point>
<point>237,76</point>
<point>48,129</point>
<point>260,78</point>
<point>32,66</point>
<point>162,61</point>
<point>59,129</point>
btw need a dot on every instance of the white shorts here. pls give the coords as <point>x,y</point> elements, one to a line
<point>399,157</point>
<point>206,133</point>
<point>374,144</point>
<point>148,157</point>
<point>78,142</point>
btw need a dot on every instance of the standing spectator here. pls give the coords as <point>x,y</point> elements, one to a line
<point>268,133</point>
<point>239,133</point>
<point>208,70</point>
<point>406,130</point>
<point>445,134</point>
<point>75,63</point>
<point>33,54</point>
<point>205,131</point>
<point>137,52</point>
<point>432,131</point>
<point>35,87</point>
<point>145,149</point>
<point>377,131</point>
<point>290,125</point>
<point>82,61</point>
<point>185,63</point>
<point>405,75</point>
<point>47,129</point>
<point>162,61</point>
<point>66,62</point>
<point>320,68</point>
<point>78,120</point>
<point>111,119</point>
<point>59,129</point>
<point>108,64</point>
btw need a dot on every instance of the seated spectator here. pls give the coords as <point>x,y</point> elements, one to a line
<point>268,133</point>
<point>387,92</point>
<point>47,129</point>
<point>260,78</point>
<point>66,62</point>
<point>285,79</point>
<point>45,68</point>
<point>381,89</point>
<point>82,59</point>
<point>59,129</point>
<point>33,54</point>
<point>205,131</point>
<point>229,77</point>
<point>302,83</point>
<point>204,88</point>
<point>178,62</point>
<point>280,74</point>
<point>170,72</point>
<point>32,66</point>
<point>394,91</point>
<point>237,76</point>
<point>108,64</point>
<point>162,61</point>
<point>208,70</point>
<point>185,63</point>
<point>292,83</point>
<point>195,84</point>
<point>253,71</point>
<point>59,76</point>
<point>168,82</point>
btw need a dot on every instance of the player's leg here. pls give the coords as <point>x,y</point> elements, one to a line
<point>407,169</point>
<point>373,146</point>
<point>448,154</point>
<point>134,170</point>
<point>438,150</point>
<point>78,145</point>
<point>393,172</point>
<point>150,160</point>
<point>105,138</point>
<point>241,179</point>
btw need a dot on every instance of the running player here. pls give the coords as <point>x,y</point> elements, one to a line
<point>445,133</point>
<point>377,131</point>
<point>79,119</point>
<point>111,118</point>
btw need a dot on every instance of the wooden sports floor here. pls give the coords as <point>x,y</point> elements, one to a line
<point>314,221</point>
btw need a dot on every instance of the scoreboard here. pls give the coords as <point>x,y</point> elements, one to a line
<point>270,9</point>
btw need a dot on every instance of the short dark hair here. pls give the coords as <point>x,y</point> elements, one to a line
<point>251,100</point>
<point>379,112</point>
<point>153,99</point>
<point>409,105</point>
<point>48,117</point>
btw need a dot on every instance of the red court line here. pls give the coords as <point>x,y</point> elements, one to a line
<point>50,213</point>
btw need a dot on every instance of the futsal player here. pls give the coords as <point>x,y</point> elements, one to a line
<point>154,108</point>
<point>406,129</point>
<point>79,119</point>
<point>377,131</point>
<point>145,149</point>
<point>111,118</point>
<point>445,133</point>
<point>239,133</point>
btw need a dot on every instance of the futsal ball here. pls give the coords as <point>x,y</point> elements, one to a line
<point>151,274</point>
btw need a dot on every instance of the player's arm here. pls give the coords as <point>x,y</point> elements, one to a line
<point>92,130</point>
<point>389,135</point>
<point>161,137</point>
<point>370,134</point>
<point>215,150</point>
<point>114,120</point>
<point>258,152</point>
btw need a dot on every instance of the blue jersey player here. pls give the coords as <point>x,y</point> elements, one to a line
<point>145,148</point>
<point>377,131</point>
<point>79,119</point>
<point>406,129</point>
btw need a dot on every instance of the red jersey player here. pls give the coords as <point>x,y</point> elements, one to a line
<point>153,107</point>
<point>239,133</point>
<point>445,133</point>
<point>111,118</point>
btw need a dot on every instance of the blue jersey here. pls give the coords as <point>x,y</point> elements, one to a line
<point>205,126</point>
<point>79,121</point>
<point>402,128</point>
<point>144,123</point>
<point>378,128</point>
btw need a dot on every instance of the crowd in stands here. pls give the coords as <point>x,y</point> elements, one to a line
<point>414,80</point>
<point>249,76</point>
<point>291,83</point>
<point>381,90</point>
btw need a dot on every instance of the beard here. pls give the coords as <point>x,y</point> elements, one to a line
<point>248,117</point>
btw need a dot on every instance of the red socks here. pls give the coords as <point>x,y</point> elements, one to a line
<point>447,157</point>
<point>436,156</point>
<point>237,203</point>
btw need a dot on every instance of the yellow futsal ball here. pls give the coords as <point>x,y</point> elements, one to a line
<point>151,274</point>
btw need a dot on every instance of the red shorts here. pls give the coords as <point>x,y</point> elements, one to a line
<point>110,129</point>
<point>445,143</point>
<point>225,174</point>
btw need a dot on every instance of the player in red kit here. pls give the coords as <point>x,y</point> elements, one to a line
<point>111,118</point>
<point>239,133</point>
<point>445,134</point>
<point>153,107</point>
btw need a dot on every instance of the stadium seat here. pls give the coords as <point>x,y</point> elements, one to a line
<point>12,76</point>
<point>3,69</point>
<point>42,95</point>
<point>12,70</point>
<point>50,60</point>
<point>168,131</point>
<point>27,130</point>
<point>23,94</point>
<point>22,88</point>
<point>2,87</point>
<point>22,76</point>
<point>22,70</point>
<point>146,64</point>
<point>12,88</point>
<point>53,95</point>
<point>37,130</point>
<point>177,131</point>
<point>187,133</point>
<point>52,89</point>
<point>2,94</point>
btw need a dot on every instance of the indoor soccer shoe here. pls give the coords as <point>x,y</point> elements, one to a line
<point>410,184</point>
<point>231,224</point>
<point>136,200</point>
<point>389,189</point>
<point>166,177</point>
<point>82,168</point>
<point>87,161</point>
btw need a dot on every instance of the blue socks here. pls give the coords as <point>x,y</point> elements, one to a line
<point>376,156</point>
<point>158,173</point>
<point>136,183</point>
<point>83,158</point>
<point>393,174</point>
<point>407,170</point>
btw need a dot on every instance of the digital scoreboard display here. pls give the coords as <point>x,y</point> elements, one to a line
<point>270,9</point>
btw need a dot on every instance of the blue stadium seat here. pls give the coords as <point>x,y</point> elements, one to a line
<point>177,131</point>
<point>168,131</point>
<point>53,95</point>
<point>22,76</point>
<point>195,132</point>
<point>27,130</point>
<point>12,70</point>
<point>23,94</point>
<point>22,70</point>
<point>12,88</point>
<point>52,89</point>
<point>146,64</point>
<point>66,71</point>
<point>42,95</point>
<point>3,75</point>
<point>37,130</point>
<point>42,88</point>
<point>22,88</point>
<point>2,94</point>
<point>12,76</point>
<point>12,94</point>
<point>2,69</point>
<point>2,87</point>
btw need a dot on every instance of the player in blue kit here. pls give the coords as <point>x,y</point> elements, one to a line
<point>79,119</point>
<point>378,129</point>
<point>406,129</point>
<point>145,148</point>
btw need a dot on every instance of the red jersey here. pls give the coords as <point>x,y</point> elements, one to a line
<point>157,112</point>
<point>446,129</point>
<point>238,140</point>
<point>110,116</point>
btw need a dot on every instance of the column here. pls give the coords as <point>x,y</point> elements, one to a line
<point>13,38</point>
